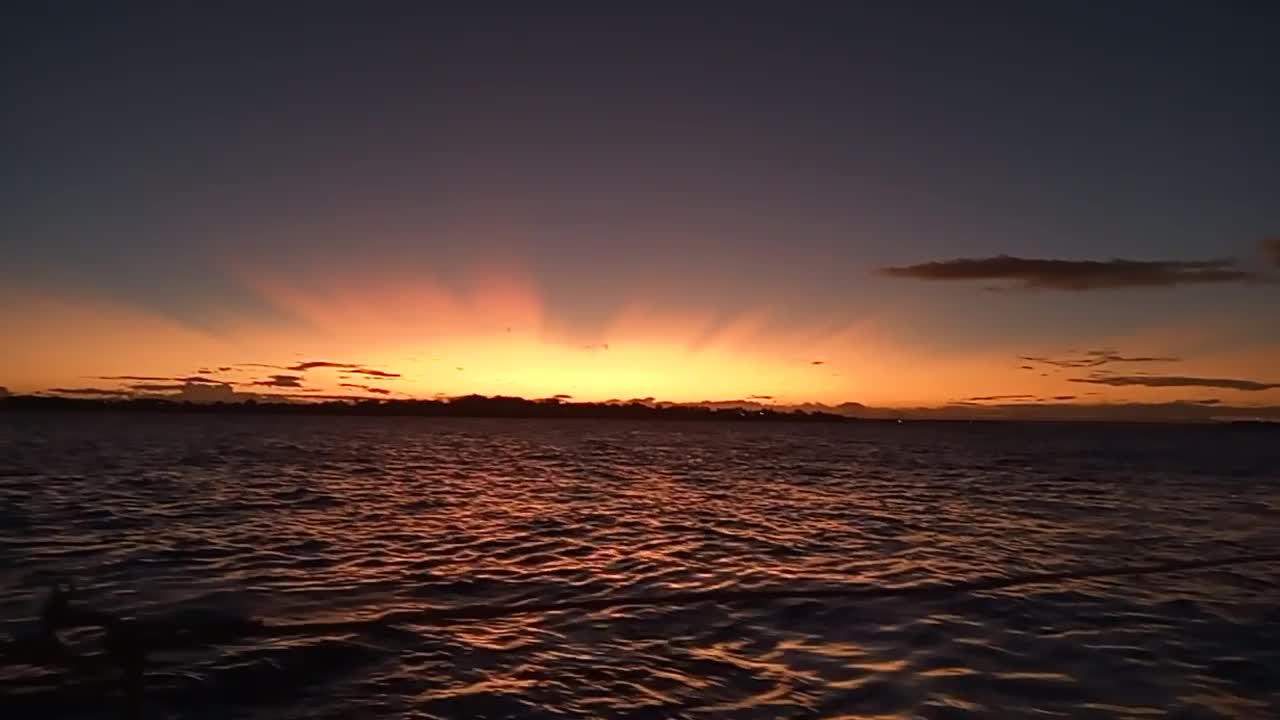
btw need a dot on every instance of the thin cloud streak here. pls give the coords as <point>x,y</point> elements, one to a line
<point>1095,358</point>
<point>91,391</point>
<point>313,364</point>
<point>1177,381</point>
<point>366,388</point>
<point>372,373</point>
<point>281,381</point>
<point>160,378</point>
<point>1076,275</point>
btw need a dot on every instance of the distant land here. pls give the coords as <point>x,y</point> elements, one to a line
<point>467,406</point>
<point>648,409</point>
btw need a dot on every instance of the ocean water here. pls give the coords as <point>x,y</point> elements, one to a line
<point>376,519</point>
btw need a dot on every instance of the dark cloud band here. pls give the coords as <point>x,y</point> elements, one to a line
<point>1077,275</point>
<point>1177,381</point>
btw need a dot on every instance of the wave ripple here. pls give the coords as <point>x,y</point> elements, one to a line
<point>335,519</point>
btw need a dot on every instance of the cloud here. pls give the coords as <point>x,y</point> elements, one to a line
<point>1076,275</point>
<point>1113,356</point>
<point>103,392</point>
<point>156,387</point>
<point>195,390</point>
<point>373,373</point>
<point>1094,358</point>
<point>1271,248</point>
<point>562,396</point>
<point>304,366</point>
<point>1177,381</point>
<point>325,398</point>
<point>1011,398</point>
<point>759,397</point>
<point>282,381</point>
<point>366,388</point>
<point>817,362</point>
<point>313,364</point>
<point>156,378</point>
<point>213,392</point>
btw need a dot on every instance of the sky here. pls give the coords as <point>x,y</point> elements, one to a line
<point>906,204</point>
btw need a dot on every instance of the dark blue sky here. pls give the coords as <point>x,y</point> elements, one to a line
<point>701,155</point>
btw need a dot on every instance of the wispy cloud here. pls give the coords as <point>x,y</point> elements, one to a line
<point>372,373</point>
<point>159,378</point>
<point>992,398</point>
<point>281,381</point>
<point>313,364</point>
<point>102,392</point>
<point>156,387</point>
<point>366,388</point>
<point>1077,275</point>
<point>353,368</point>
<point>1177,381</point>
<point>1094,358</point>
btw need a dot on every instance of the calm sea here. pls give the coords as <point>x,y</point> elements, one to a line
<point>309,519</point>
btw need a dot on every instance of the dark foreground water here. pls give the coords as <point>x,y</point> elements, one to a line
<point>305,519</point>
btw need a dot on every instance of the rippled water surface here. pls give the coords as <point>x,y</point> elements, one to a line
<point>308,519</point>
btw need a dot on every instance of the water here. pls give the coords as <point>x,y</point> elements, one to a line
<point>306,519</point>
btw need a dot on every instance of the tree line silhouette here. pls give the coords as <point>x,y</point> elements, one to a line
<point>466,406</point>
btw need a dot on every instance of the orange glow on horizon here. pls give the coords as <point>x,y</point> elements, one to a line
<point>493,333</point>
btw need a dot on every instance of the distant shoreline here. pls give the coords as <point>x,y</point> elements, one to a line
<point>465,407</point>
<point>476,406</point>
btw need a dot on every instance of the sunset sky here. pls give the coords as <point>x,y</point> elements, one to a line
<point>896,204</point>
